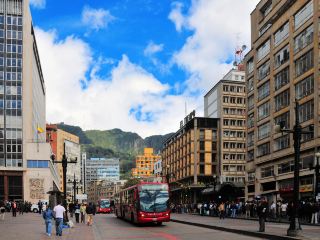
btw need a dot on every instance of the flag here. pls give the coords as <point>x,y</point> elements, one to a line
<point>40,130</point>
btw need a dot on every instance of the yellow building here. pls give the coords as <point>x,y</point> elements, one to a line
<point>145,164</point>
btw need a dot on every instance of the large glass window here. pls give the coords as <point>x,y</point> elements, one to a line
<point>281,79</point>
<point>264,70</point>
<point>251,120</point>
<point>286,167</point>
<point>303,39</point>
<point>282,100</point>
<point>306,111</point>
<point>304,63</point>
<point>250,66</point>
<point>267,172</point>
<point>308,136</point>
<point>264,131</point>
<point>281,142</point>
<point>154,198</point>
<point>250,85</point>
<point>266,9</point>
<point>250,102</point>
<point>305,87</point>
<point>281,34</point>
<point>284,119</point>
<point>264,91</point>
<point>281,57</point>
<point>38,164</point>
<point>263,149</point>
<point>264,110</point>
<point>303,15</point>
<point>263,50</point>
<point>250,139</point>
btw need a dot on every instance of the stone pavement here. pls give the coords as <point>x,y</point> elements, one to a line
<point>30,226</point>
<point>246,227</point>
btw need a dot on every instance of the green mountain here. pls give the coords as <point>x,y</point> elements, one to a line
<point>115,143</point>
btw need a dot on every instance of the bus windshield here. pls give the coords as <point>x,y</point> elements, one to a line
<point>104,204</point>
<point>154,198</point>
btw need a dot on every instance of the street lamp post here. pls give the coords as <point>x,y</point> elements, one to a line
<point>317,173</point>
<point>64,163</point>
<point>75,187</point>
<point>295,227</point>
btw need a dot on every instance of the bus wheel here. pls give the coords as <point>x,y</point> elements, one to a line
<point>132,218</point>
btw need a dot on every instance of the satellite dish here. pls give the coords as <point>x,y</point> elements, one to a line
<point>244,47</point>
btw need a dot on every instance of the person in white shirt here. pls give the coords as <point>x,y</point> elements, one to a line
<point>273,209</point>
<point>58,214</point>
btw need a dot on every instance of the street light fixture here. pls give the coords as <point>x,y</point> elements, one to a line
<point>295,227</point>
<point>75,187</point>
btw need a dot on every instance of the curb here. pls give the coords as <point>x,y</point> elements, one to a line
<point>238,231</point>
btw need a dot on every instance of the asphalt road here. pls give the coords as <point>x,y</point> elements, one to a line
<point>111,228</point>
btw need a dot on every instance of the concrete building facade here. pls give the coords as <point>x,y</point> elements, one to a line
<point>282,67</point>
<point>227,101</point>
<point>25,168</point>
<point>145,164</point>
<point>189,158</point>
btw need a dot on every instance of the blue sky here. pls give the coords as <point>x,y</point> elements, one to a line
<point>133,64</point>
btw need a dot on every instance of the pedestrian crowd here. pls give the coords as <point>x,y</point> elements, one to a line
<point>309,211</point>
<point>14,207</point>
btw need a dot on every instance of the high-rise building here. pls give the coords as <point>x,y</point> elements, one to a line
<point>282,67</point>
<point>97,169</point>
<point>227,101</point>
<point>26,171</point>
<point>189,158</point>
<point>64,142</point>
<point>145,164</point>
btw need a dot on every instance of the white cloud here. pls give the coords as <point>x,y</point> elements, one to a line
<point>130,93</point>
<point>176,15</point>
<point>96,19</point>
<point>40,4</point>
<point>152,49</point>
<point>215,25</point>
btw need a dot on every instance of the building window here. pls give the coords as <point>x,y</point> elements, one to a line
<point>250,102</point>
<point>264,131</point>
<point>201,145</point>
<point>251,155</point>
<point>251,120</point>
<point>264,28</point>
<point>304,63</point>
<point>264,70</point>
<point>264,110</point>
<point>263,149</point>
<point>281,79</point>
<point>307,137</point>
<point>267,172</point>
<point>286,167</point>
<point>281,57</point>
<point>305,87</point>
<point>250,66</point>
<point>266,9</point>
<point>250,139</point>
<point>306,162</point>
<point>38,164</point>
<point>303,15</point>
<point>264,91</point>
<point>284,118</point>
<point>282,100</point>
<point>263,50</point>
<point>281,34</point>
<point>282,142</point>
<point>251,176</point>
<point>306,111</point>
<point>303,39</point>
<point>250,85</point>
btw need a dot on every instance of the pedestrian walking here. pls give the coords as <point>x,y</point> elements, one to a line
<point>71,209</point>
<point>77,212</point>
<point>2,210</point>
<point>83,213</point>
<point>221,209</point>
<point>59,212</point>
<point>14,208</point>
<point>315,210</point>
<point>262,211</point>
<point>40,206</point>
<point>48,216</point>
<point>90,212</point>
<point>21,208</point>
<point>273,210</point>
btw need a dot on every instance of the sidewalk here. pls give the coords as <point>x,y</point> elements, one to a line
<point>246,227</point>
<point>31,226</point>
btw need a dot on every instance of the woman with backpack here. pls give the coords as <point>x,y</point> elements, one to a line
<point>48,216</point>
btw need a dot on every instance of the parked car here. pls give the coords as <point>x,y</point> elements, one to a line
<point>35,208</point>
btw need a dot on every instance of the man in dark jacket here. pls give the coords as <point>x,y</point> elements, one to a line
<point>90,212</point>
<point>262,211</point>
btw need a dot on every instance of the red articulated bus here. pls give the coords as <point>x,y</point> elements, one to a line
<point>144,203</point>
<point>104,206</point>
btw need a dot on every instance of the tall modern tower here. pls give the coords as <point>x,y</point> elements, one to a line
<point>24,153</point>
